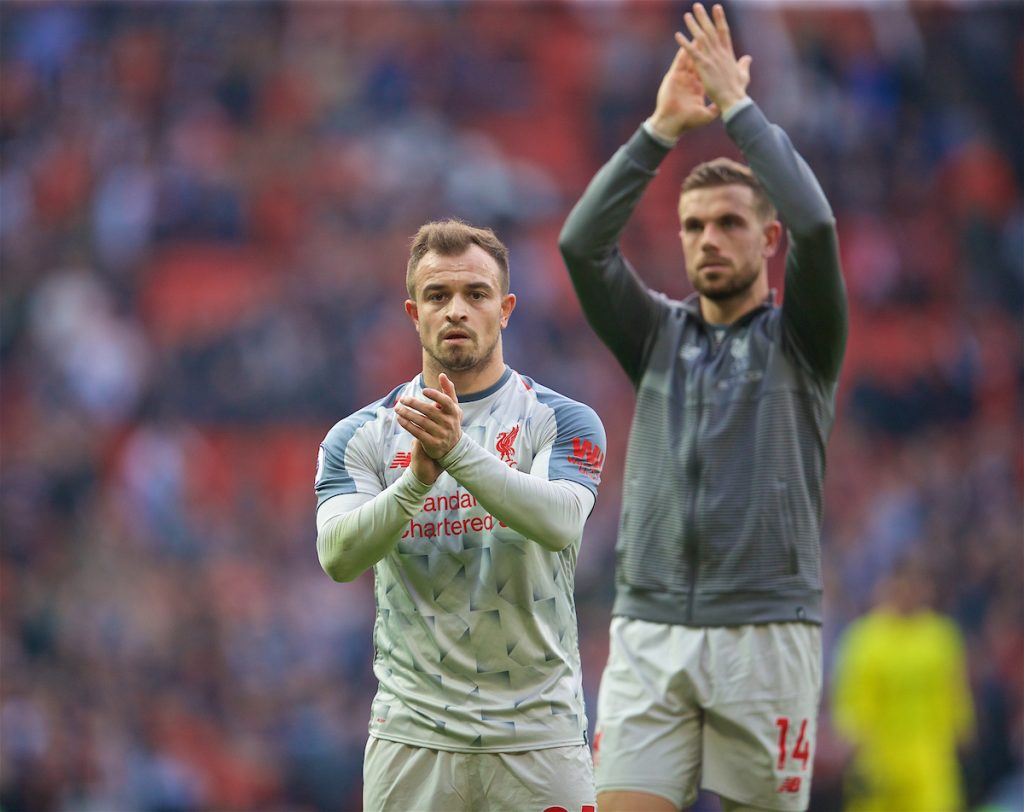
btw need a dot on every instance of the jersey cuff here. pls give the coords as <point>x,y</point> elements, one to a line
<point>742,104</point>
<point>456,453</point>
<point>409,487</point>
<point>666,141</point>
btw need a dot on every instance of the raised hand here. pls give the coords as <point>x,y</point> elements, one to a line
<point>724,77</point>
<point>680,105</point>
<point>436,423</point>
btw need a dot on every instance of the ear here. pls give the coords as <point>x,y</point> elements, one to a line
<point>508,304</point>
<point>772,238</point>
<point>413,311</point>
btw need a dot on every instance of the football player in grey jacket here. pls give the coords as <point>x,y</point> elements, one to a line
<point>714,671</point>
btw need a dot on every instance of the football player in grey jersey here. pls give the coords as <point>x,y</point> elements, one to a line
<point>714,670</point>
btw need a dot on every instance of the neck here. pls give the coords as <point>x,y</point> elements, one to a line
<point>467,381</point>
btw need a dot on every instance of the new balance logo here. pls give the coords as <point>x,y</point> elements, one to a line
<point>584,808</point>
<point>791,784</point>
<point>503,445</point>
<point>401,460</point>
<point>589,458</point>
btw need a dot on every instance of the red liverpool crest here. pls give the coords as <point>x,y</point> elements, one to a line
<point>503,445</point>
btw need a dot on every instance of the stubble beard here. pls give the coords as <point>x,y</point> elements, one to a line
<point>733,288</point>
<point>458,359</point>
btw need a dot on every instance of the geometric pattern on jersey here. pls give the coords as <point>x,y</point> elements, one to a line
<point>476,639</point>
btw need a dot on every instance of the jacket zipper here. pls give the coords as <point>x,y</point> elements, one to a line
<point>692,556</point>
<point>693,467</point>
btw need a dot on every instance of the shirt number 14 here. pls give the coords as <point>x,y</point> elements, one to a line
<point>802,748</point>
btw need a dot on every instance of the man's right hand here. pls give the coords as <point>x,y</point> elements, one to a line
<point>680,105</point>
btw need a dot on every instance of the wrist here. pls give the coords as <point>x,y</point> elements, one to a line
<point>729,107</point>
<point>423,478</point>
<point>414,484</point>
<point>452,454</point>
<point>660,132</point>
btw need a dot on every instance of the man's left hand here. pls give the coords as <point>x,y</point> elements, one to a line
<point>725,78</point>
<point>437,422</point>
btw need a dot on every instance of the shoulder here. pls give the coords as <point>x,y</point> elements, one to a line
<point>575,435</point>
<point>865,631</point>
<point>944,630</point>
<point>673,309</point>
<point>556,401</point>
<point>568,414</point>
<point>342,432</point>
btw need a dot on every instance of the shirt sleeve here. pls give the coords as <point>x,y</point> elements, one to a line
<point>355,530</point>
<point>549,505</point>
<point>814,310</point>
<point>359,520</point>
<point>620,308</point>
<point>345,461</point>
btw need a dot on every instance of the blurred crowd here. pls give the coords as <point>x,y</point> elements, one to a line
<point>205,213</point>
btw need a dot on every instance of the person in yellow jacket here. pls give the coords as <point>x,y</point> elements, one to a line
<point>901,698</point>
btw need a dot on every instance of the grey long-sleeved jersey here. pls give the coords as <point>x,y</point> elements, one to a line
<point>725,469</point>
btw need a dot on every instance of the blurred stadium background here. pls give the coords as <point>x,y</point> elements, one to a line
<point>206,211</point>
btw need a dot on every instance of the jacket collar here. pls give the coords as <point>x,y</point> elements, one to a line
<point>691,304</point>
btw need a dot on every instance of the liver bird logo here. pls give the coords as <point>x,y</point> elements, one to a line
<point>503,445</point>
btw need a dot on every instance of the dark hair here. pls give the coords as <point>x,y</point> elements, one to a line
<point>449,238</point>
<point>726,172</point>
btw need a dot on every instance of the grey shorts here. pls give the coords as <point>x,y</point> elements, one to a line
<point>401,778</point>
<point>729,709</point>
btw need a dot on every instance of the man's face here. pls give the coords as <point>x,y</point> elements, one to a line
<point>459,309</point>
<point>725,240</point>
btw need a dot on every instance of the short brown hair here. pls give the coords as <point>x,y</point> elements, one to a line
<point>449,238</point>
<point>726,172</point>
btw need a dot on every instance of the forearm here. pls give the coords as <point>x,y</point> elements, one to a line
<point>787,179</point>
<point>615,301</point>
<point>596,222</point>
<point>551,513</point>
<point>814,306</point>
<point>350,541</point>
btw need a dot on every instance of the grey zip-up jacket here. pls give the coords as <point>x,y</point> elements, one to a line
<point>722,508</point>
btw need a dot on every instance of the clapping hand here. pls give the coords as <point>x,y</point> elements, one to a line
<point>436,423</point>
<point>710,50</point>
<point>681,105</point>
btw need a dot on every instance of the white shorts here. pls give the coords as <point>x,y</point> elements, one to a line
<point>401,778</point>
<point>732,709</point>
